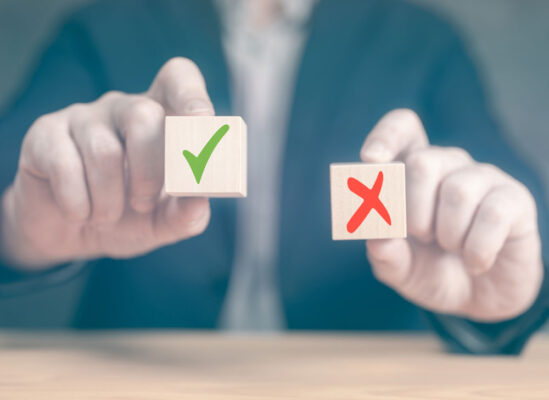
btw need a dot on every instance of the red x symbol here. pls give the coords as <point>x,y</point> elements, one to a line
<point>371,200</point>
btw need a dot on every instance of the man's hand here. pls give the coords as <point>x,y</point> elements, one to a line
<point>473,247</point>
<point>90,178</point>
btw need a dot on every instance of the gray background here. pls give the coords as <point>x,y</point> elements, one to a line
<point>509,39</point>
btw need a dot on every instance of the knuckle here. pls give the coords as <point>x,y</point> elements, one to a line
<point>46,124</point>
<point>61,166</point>
<point>455,192</point>
<point>40,142</point>
<point>494,212</point>
<point>458,153</point>
<point>80,115</point>
<point>143,113</point>
<point>103,145</point>
<point>110,96</point>
<point>489,170</point>
<point>77,109</point>
<point>528,197</point>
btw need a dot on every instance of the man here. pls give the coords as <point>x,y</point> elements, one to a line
<point>311,78</point>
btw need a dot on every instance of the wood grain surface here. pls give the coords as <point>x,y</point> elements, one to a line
<point>160,365</point>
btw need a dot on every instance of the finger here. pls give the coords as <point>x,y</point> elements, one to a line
<point>501,216</point>
<point>140,122</point>
<point>49,153</point>
<point>391,260</point>
<point>460,194</point>
<point>103,156</point>
<point>181,89</point>
<point>425,170</point>
<point>396,134</point>
<point>179,218</point>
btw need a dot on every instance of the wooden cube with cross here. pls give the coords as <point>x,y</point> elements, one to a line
<point>368,201</point>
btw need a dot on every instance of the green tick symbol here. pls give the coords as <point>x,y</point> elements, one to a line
<point>198,163</point>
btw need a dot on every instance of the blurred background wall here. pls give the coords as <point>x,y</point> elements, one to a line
<point>509,39</point>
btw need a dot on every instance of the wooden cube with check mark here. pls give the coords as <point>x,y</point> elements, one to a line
<point>368,201</point>
<point>205,156</point>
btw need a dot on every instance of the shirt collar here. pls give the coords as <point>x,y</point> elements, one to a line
<point>293,12</point>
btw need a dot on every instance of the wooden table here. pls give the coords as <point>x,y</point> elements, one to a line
<point>298,366</point>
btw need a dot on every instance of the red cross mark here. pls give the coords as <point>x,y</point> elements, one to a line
<point>371,200</point>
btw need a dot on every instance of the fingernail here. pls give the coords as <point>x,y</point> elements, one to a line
<point>199,106</point>
<point>377,152</point>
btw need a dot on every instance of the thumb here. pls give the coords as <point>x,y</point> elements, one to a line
<point>179,218</point>
<point>181,89</point>
<point>391,260</point>
<point>396,134</point>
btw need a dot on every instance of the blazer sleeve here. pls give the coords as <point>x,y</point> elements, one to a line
<point>68,72</point>
<point>456,113</point>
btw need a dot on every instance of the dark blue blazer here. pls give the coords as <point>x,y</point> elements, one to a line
<point>362,59</point>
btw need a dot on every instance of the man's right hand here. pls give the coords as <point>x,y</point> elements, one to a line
<point>90,177</point>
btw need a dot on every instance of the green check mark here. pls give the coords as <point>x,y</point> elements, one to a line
<point>198,163</point>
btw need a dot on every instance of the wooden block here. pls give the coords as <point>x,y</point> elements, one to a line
<point>205,156</point>
<point>368,201</point>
